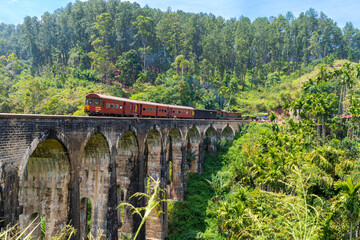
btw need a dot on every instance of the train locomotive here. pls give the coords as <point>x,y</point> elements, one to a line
<point>104,105</point>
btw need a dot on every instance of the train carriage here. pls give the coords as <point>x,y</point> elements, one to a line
<point>205,114</point>
<point>180,111</point>
<point>232,115</point>
<point>148,110</point>
<point>99,104</point>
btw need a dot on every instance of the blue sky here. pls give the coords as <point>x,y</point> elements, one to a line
<point>14,11</point>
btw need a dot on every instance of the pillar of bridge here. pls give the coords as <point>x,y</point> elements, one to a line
<point>154,228</point>
<point>227,134</point>
<point>174,162</point>
<point>44,188</point>
<point>192,150</point>
<point>210,139</point>
<point>94,186</point>
<point>127,179</point>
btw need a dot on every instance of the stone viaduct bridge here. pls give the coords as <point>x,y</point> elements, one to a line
<point>57,167</point>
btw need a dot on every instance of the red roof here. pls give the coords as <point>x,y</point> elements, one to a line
<point>347,116</point>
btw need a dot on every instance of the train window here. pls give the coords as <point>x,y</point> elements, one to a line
<point>173,111</point>
<point>112,105</point>
<point>154,109</point>
<point>89,101</point>
<point>116,105</point>
<point>143,109</point>
<point>97,101</point>
<point>103,104</point>
<point>120,106</point>
<point>187,112</point>
<point>147,109</point>
<point>107,105</point>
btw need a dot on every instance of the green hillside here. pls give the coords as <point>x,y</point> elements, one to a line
<point>279,90</point>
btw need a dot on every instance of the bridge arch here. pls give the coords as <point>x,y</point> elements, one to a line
<point>95,181</point>
<point>193,140</point>
<point>210,138</point>
<point>48,134</point>
<point>174,162</point>
<point>127,177</point>
<point>152,158</point>
<point>152,153</point>
<point>43,185</point>
<point>227,133</point>
<point>93,131</point>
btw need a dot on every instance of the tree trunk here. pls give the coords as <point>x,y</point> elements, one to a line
<point>339,110</point>
<point>144,56</point>
<point>357,232</point>
<point>323,129</point>
<point>318,133</point>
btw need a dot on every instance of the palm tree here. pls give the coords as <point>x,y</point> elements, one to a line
<point>349,200</point>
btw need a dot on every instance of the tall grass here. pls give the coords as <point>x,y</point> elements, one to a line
<point>15,233</point>
<point>155,196</point>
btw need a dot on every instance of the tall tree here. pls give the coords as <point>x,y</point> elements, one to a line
<point>145,31</point>
<point>102,55</point>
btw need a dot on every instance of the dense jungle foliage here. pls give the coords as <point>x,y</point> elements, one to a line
<point>47,65</point>
<point>295,180</point>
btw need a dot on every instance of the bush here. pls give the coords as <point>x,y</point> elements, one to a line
<point>90,75</point>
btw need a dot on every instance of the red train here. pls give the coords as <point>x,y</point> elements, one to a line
<point>103,105</point>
